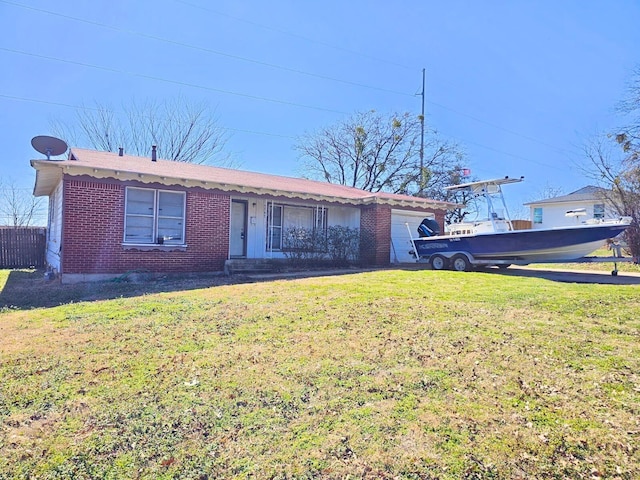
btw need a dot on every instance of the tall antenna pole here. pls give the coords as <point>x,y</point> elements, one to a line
<point>422,138</point>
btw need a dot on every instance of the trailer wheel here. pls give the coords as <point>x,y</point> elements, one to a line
<point>438,262</point>
<point>460,263</point>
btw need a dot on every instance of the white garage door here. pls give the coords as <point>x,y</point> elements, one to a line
<point>400,240</point>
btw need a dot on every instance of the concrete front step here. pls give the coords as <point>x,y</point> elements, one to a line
<point>245,266</point>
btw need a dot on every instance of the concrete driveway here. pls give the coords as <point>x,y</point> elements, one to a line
<point>570,276</point>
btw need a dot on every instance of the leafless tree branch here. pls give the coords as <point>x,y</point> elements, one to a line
<point>182,131</point>
<point>377,153</point>
<point>18,207</point>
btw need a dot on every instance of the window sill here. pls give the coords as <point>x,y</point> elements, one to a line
<point>150,247</point>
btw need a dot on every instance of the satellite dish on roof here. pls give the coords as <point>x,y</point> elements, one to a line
<point>49,145</point>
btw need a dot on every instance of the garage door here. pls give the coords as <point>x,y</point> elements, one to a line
<point>400,239</point>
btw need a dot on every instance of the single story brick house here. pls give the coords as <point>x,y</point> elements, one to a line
<point>112,213</point>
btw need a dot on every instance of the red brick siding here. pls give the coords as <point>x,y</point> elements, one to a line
<point>375,235</point>
<point>93,230</point>
<point>439,214</point>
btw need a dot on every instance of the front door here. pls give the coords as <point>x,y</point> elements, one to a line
<point>238,229</point>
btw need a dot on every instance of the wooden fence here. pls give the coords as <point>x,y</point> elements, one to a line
<point>521,224</point>
<point>22,247</point>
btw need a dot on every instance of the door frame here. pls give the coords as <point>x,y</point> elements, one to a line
<point>245,206</point>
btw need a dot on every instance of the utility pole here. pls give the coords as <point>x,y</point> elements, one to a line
<point>422,139</point>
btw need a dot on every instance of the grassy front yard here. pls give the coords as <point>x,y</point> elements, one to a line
<point>388,374</point>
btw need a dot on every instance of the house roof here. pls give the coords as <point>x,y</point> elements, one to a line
<point>142,169</point>
<point>585,194</point>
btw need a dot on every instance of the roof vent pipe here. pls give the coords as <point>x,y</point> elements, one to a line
<point>120,151</point>
<point>153,153</point>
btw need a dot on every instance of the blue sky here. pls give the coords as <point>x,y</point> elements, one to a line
<point>521,85</point>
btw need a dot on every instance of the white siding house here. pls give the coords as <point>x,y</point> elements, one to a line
<point>54,232</point>
<point>586,204</point>
<point>261,227</point>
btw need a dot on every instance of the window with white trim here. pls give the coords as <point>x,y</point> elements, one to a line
<point>537,215</point>
<point>52,216</point>
<point>154,216</point>
<point>283,217</point>
<point>274,227</point>
<point>598,210</point>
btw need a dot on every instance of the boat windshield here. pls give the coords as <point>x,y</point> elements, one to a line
<point>490,192</point>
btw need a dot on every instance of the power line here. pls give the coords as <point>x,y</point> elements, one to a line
<point>519,157</point>
<point>498,127</point>
<point>206,50</point>
<point>174,82</point>
<point>47,102</point>
<point>258,62</point>
<point>82,107</point>
<point>526,137</point>
<point>237,93</point>
<point>254,97</point>
<point>295,35</point>
<point>253,132</point>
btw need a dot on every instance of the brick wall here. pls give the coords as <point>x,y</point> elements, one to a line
<point>439,214</point>
<point>375,235</point>
<point>93,230</point>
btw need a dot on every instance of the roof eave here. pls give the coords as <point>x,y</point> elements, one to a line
<point>48,175</point>
<point>415,202</point>
<point>559,202</point>
<point>77,170</point>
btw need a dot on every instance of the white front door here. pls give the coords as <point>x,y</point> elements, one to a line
<point>238,229</point>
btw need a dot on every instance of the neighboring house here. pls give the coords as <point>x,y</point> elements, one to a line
<point>585,204</point>
<point>110,214</point>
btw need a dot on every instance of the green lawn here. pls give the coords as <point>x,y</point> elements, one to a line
<point>386,374</point>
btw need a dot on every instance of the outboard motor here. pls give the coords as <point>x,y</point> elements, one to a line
<point>428,228</point>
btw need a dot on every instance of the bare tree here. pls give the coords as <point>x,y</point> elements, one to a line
<point>18,207</point>
<point>628,137</point>
<point>182,131</point>
<point>613,161</point>
<point>547,191</point>
<point>467,201</point>
<point>619,175</point>
<point>378,153</point>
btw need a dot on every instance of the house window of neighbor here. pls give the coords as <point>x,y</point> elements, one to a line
<point>154,216</point>
<point>537,215</point>
<point>283,217</point>
<point>598,210</point>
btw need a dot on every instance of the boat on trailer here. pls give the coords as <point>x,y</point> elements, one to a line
<point>494,241</point>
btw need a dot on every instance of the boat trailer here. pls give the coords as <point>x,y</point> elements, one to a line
<point>462,261</point>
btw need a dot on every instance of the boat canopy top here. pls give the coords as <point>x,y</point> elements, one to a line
<point>484,186</point>
<point>490,189</point>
